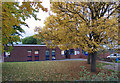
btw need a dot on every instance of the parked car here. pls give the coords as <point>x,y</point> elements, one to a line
<point>114,56</point>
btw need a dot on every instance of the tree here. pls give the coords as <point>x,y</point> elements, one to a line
<point>13,16</point>
<point>119,28</point>
<point>85,25</point>
<point>0,28</point>
<point>31,40</point>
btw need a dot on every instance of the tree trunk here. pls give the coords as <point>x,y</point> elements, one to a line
<point>93,62</point>
<point>88,60</point>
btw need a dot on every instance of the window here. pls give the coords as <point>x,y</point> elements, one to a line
<point>62,52</point>
<point>71,51</point>
<point>29,55</point>
<point>53,55</point>
<point>86,53</point>
<point>47,58</point>
<point>78,52</point>
<point>29,52</point>
<point>83,52</point>
<point>36,55</point>
<point>47,54</point>
<point>36,52</point>
<point>6,54</point>
<point>53,52</point>
<point>75,53</point>
<point>53,58</point>
<point>111,54</point>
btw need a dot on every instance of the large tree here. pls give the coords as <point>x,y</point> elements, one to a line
<point>13,16</point>
<point>119,28</point>
<point>78,24</point>
<point>31,40</point>
<point>0,27</point>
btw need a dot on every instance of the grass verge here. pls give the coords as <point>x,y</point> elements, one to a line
<point>48,71</point>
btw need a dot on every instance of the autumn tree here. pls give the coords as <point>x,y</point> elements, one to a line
<point>13,16</point>
<point>81,25</point>
<point>119,28</point>
<point>0,27</point>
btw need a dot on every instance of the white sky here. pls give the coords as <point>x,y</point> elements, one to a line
<point>33,23</point>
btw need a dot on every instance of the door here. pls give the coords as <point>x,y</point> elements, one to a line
<point>47,54</point>
<point>67,55</point>
<point>53,55</point>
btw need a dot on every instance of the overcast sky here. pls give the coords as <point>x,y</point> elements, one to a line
<point>33,23</point>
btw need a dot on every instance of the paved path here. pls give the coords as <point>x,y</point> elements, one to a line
<point>114,66</point>
<point>72,60</point>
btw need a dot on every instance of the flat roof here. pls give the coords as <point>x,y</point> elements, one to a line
<point>27,45</point>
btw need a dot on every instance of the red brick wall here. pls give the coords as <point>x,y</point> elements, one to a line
<point>75,56</point>
<point>80,55</point>
<point>19,53</point>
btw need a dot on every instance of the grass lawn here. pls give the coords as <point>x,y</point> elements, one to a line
<point>48,70</point>
<point>118,61</point>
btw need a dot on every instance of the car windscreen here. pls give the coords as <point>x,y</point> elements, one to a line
<point>111,54</point>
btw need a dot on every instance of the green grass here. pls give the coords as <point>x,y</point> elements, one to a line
<point>118,61</point>
<point>100,65</point>
<point>35,71</point>
<point>43,70</point>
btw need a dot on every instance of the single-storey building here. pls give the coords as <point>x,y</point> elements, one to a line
<point>40,53</point>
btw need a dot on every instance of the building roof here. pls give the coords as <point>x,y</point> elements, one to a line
<point>27,45</point>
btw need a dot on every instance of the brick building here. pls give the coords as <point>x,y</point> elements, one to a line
<point>40,53</point>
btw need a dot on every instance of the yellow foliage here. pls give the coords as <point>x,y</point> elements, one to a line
<point>80,25</point>
<point>13,16</point>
